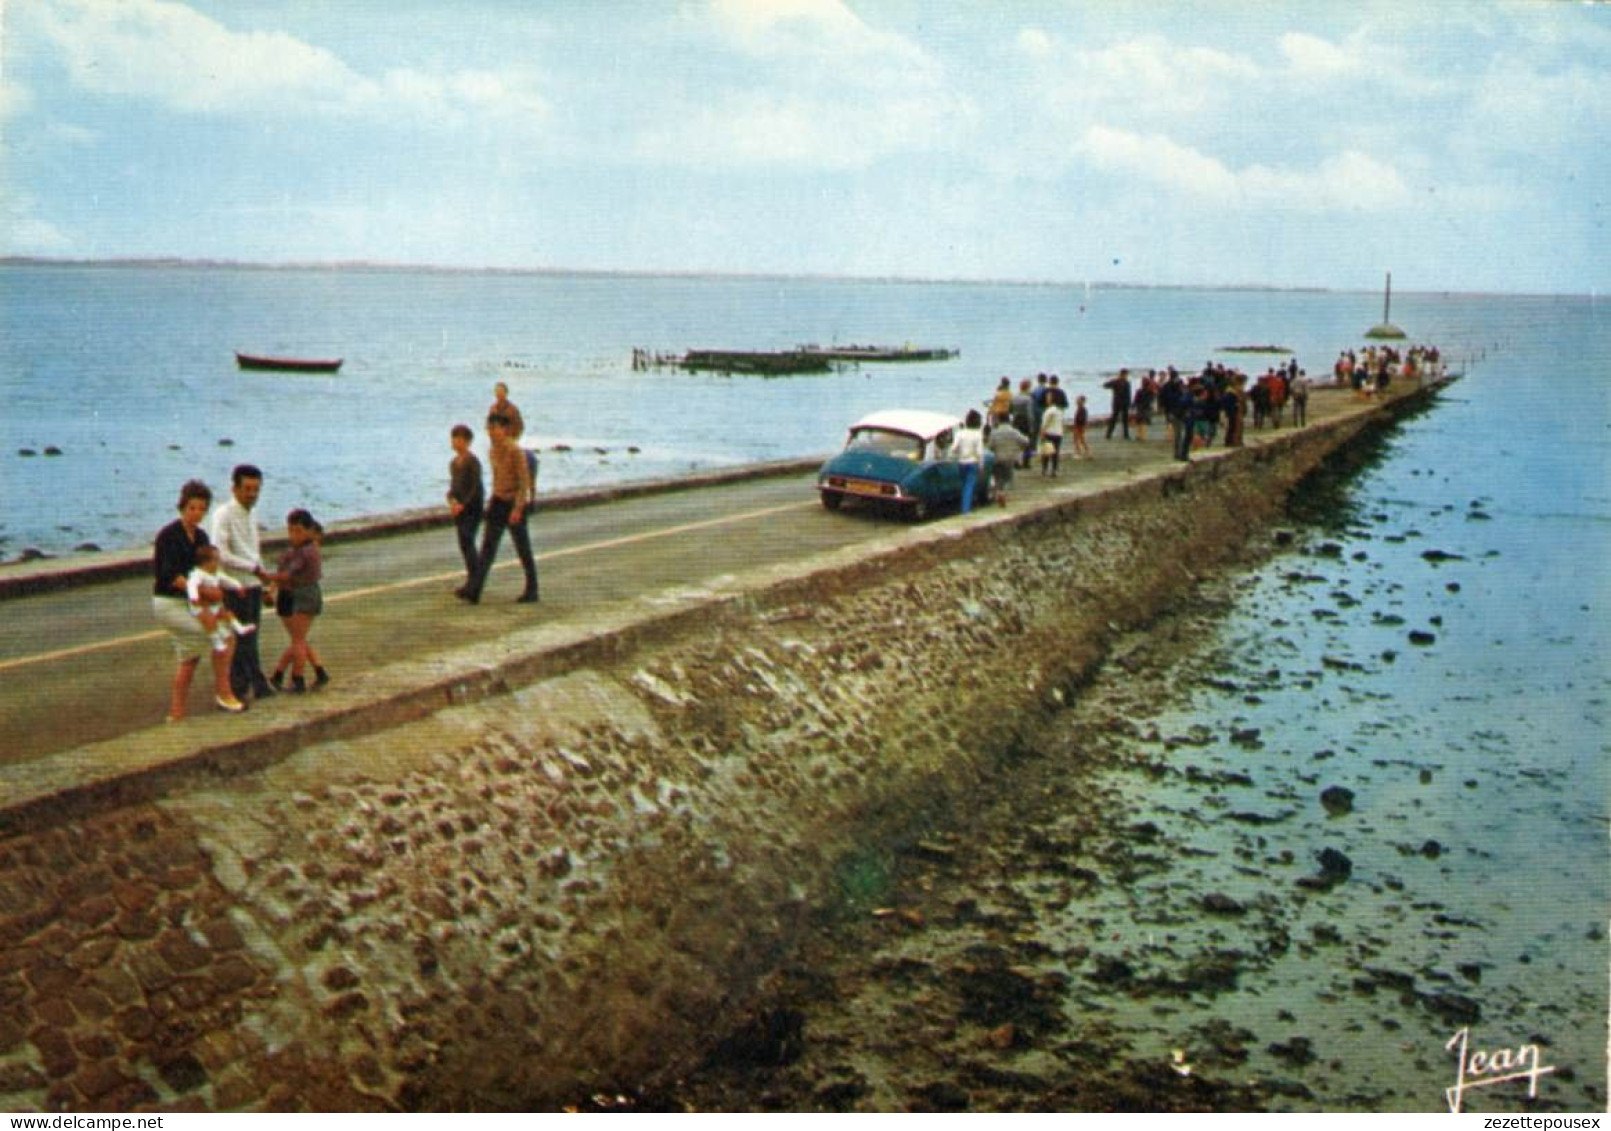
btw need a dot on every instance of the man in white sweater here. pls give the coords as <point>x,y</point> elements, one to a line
<point>234,530</point>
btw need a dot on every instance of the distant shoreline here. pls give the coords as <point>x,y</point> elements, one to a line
<point>370,267</point>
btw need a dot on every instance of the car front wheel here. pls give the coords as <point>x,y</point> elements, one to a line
<point>832,500</point>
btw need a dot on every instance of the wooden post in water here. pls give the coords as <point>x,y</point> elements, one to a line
<point>1386,329</point>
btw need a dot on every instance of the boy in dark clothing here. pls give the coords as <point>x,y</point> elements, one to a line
<point>1120,413</point>
<point>466,499</point>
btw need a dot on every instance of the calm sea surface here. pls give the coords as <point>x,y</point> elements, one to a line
<point>1490,739</point>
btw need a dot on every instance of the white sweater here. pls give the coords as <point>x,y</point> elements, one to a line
<point>234,531</point>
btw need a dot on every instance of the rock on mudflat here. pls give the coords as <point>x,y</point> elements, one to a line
<point>1218,903</point>
<point>1337,800</point>
<point>1455,1008</point>
<point>1335,868</point>
<point>1421,638</point>
<point>1297,1052</point>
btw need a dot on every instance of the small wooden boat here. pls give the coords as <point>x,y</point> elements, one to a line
<point>287,364</point>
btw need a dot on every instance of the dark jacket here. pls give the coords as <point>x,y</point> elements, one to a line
<point>174,556</point>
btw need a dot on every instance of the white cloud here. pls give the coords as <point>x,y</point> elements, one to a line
<point>1035,43</point>
<point>833,93</point>
<point>25,233</point>
<point>1350,181</point>
<point>14,99</point>
<point>826,30</point>
<point>1148,74</point>
<point>1528,109</point>
<point>1310,55</point>
<point>168,53</point>
<point>761,129</point>
<point>71,134</point>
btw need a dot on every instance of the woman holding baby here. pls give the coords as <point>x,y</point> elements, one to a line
<point>174,560</point>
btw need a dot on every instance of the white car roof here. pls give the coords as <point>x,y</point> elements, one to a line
<point>910,421</point>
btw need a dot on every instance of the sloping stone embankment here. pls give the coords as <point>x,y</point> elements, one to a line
<point>578,884</point>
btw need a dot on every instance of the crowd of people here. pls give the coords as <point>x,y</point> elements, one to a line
<point>210,581</point>
<point>1372,373</point>
<point>1214,404</point>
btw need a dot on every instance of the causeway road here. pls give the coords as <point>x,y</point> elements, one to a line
<point>84,673</point>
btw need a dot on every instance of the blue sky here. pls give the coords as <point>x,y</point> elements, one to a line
<point>1461,145</point>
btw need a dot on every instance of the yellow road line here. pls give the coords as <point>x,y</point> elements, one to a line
<point>434,579</point>
<point>81,650</point>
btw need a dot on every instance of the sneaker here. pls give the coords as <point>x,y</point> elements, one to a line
<point>233,705</point>
<point>320,678</point>
<point>526,599</point>
<point>277,681</point>
<point>263,690</point>
<point>298,685</point>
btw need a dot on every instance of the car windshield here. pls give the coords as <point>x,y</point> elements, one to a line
<point>886,443</point>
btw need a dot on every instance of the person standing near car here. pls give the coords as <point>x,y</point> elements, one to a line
<point>235,532</point>
<point>1008,445</point>
<point>969,454</point>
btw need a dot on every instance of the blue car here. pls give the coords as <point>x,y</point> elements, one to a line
<point>901,458</point>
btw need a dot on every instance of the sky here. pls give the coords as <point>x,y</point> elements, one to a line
<point>1461,145</point>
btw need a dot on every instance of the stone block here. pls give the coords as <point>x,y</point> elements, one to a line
<point>136,1024</point>
<point>181,952</point>
<point>92,912</point>
<point>149,969</point>
<point>182,1073</point>
<point>92,953</point>
<point>233,975</point>
<point>16,1078</point>
<point>56,1053</point>
<point>221,934</point>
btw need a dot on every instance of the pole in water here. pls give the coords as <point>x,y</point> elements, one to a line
<point>1387,301</point>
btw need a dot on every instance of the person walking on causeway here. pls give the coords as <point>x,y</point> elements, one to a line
<point>969,454</point>
<point>512,491</point>
<point>1051,439</point>
<point>466,500</point>
<point>1119,416</point>
<point>233,529</point>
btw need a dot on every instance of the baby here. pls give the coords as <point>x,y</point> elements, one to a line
<point>205,586</point>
